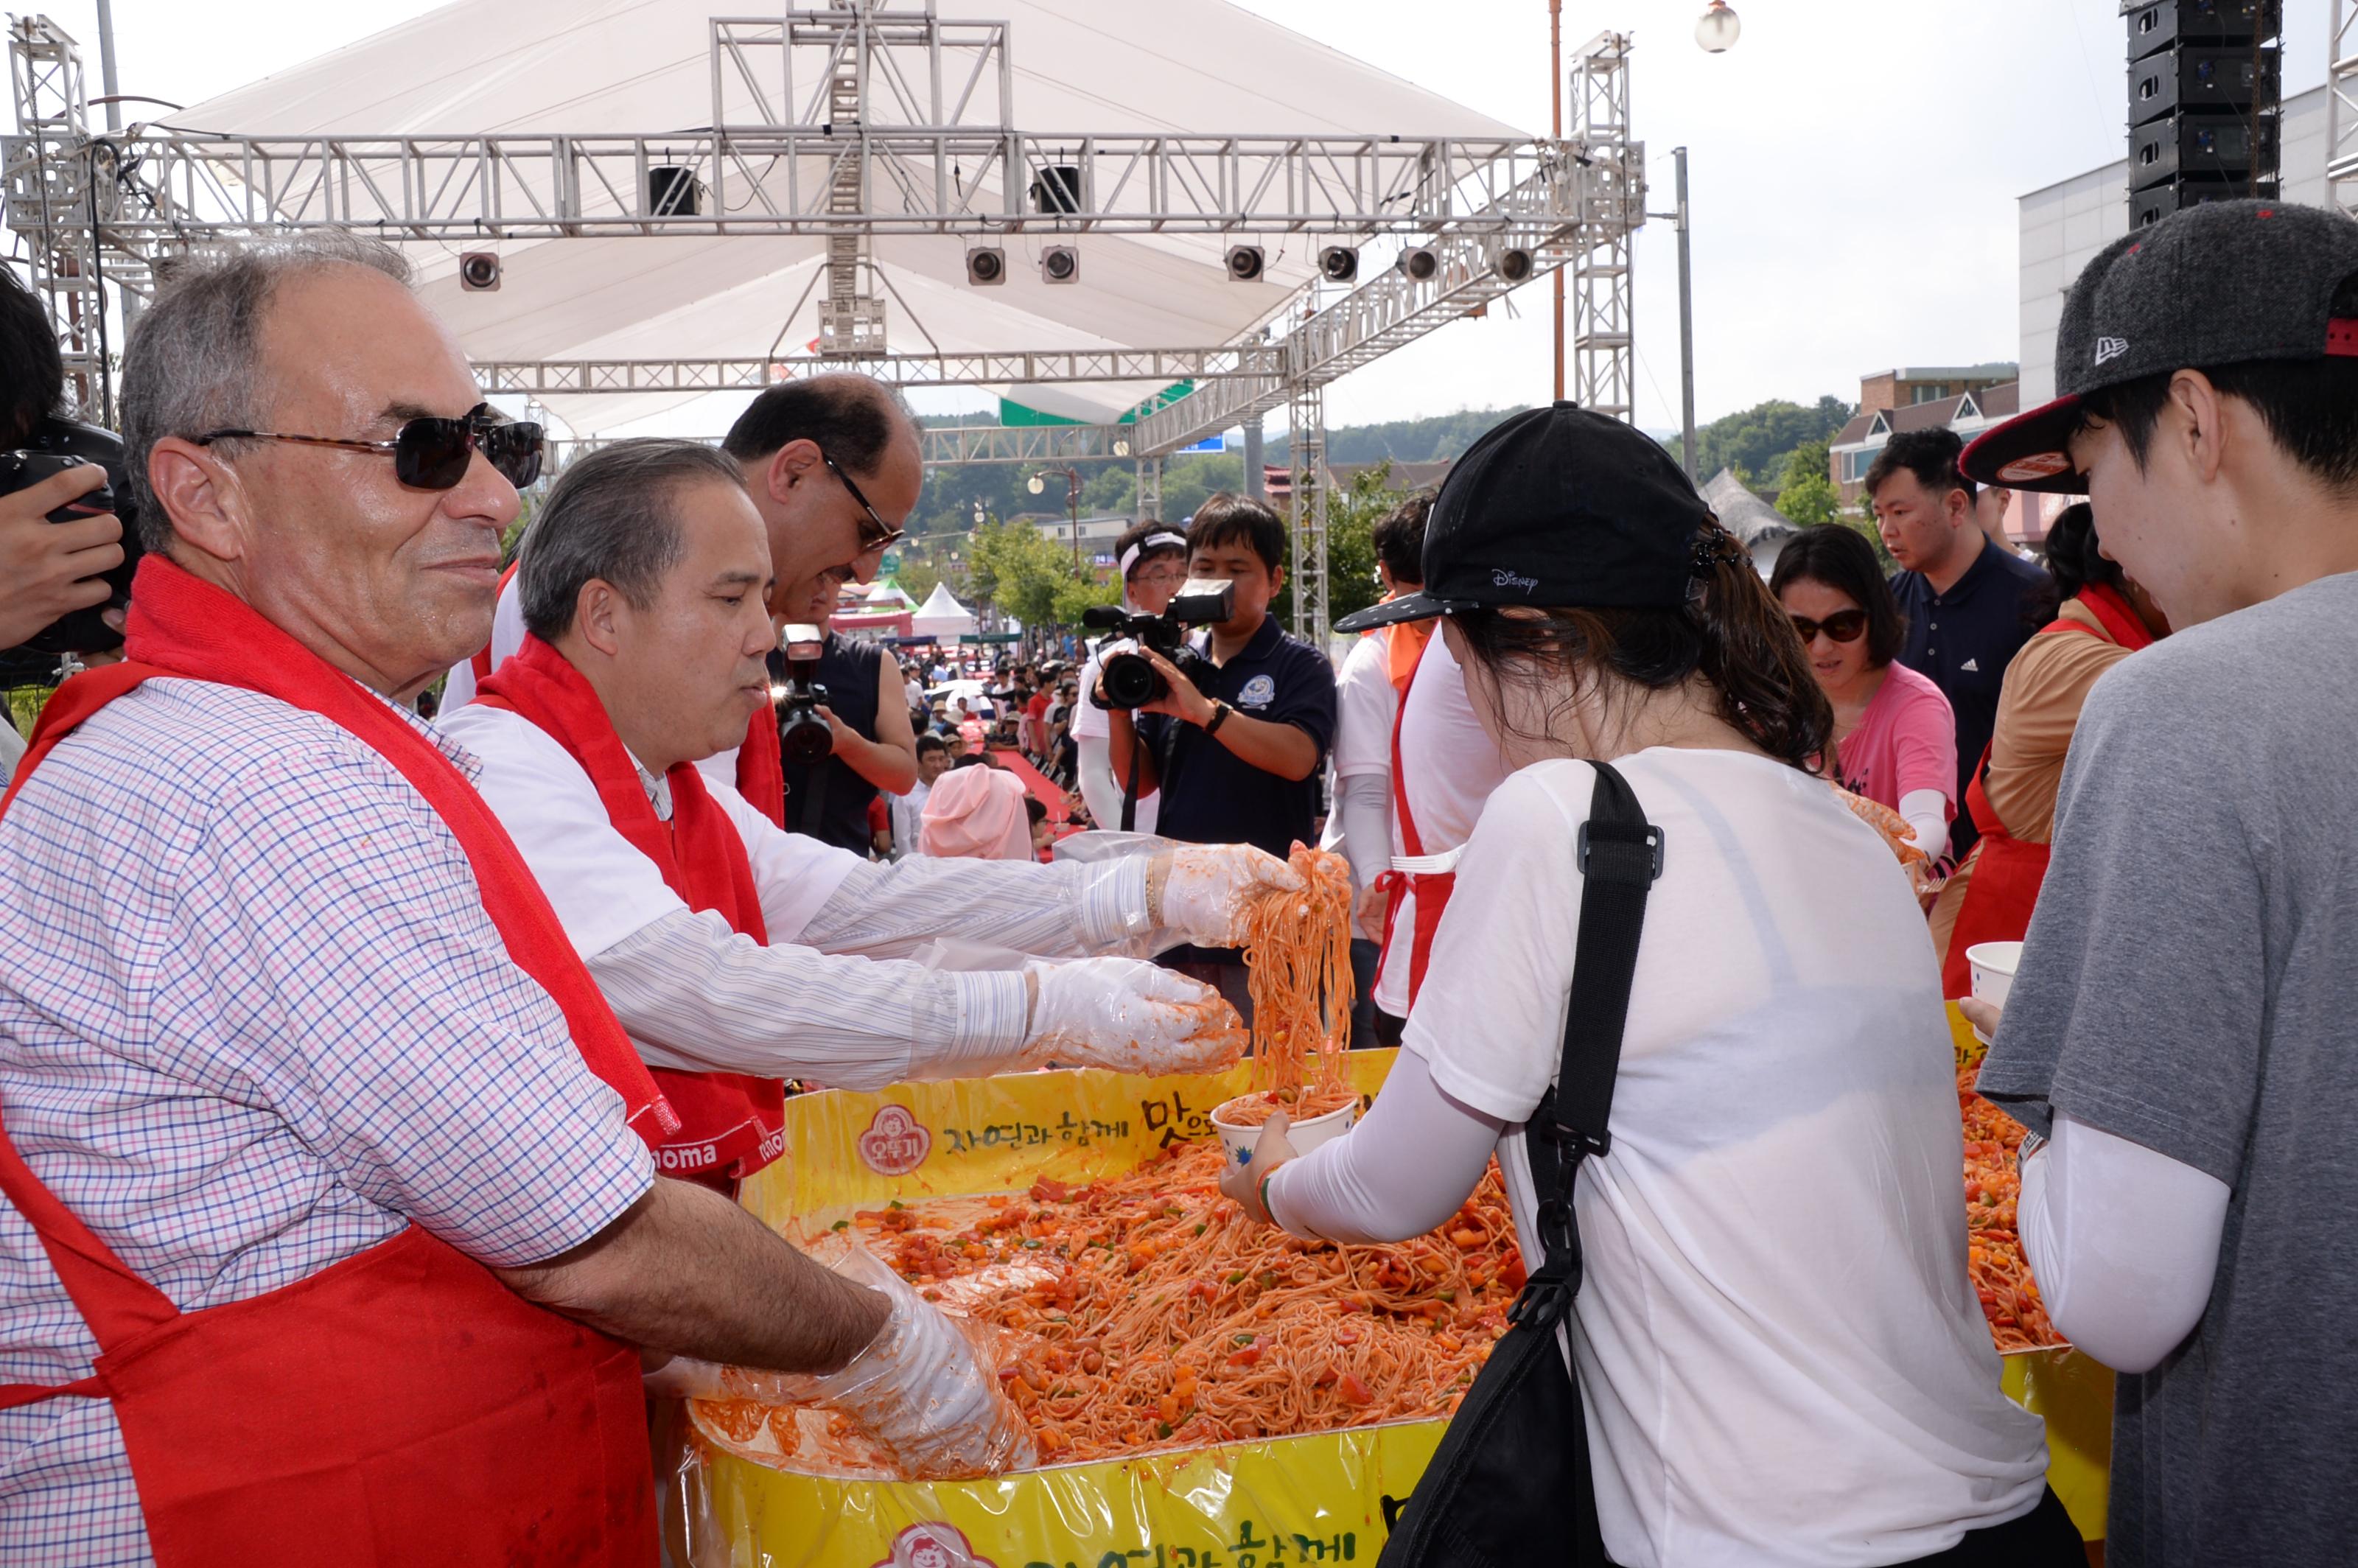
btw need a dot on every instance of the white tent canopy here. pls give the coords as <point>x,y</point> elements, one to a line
<point>641,67</point>
<point>943,616</point>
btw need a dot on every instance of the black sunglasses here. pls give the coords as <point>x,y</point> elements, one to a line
<point>882,536</point>
<point>1842,626</point>
<point>433,453</point>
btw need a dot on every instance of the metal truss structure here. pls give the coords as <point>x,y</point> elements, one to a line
<point>1021,368</point>
<point>1603,325</point>
<point>2341,108</point>
<point>857,122</point>
<point>1307,451</point>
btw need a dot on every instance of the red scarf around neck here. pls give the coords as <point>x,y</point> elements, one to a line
<point>2110,607</point>
<point>183,626</point>
<point>730,1123</point>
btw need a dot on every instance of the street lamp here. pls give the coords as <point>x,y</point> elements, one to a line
<point>1039,482</point>
<point>1718,28</point>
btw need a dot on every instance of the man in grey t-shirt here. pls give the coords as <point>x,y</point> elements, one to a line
<point>2184,1023</point>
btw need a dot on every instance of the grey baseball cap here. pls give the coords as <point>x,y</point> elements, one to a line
<point>2225,283</point>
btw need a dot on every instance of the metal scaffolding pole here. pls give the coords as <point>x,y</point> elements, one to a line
<point>1604,310</point>
<point>1149,490</point>
<point>2341,108</point>
<point>53,203</point>
<point>1256,477</point>
<point>1306,447</point>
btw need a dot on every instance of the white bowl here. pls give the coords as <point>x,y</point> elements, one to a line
<point>1993,965</point>
<point>1303,1135</point>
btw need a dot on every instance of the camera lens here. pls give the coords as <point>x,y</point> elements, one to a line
<point>804,740</point>
<point>1132,682</point>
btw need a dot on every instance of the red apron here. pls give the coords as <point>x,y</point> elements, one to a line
<point>732,1124</point>
<point>401,1406</point>
<point>1430,888</point>
<point>2009,871</point>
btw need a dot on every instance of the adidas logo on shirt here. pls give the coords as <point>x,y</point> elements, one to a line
<point>1971,667</point>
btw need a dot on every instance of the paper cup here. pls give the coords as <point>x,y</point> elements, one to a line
<point>1238,1141</point>
<point>1993,965</point>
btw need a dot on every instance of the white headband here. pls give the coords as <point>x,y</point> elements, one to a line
<point>1151,542</point>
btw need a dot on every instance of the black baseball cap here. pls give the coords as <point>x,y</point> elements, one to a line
<point>2224,283</point>
<point>1558,505</point>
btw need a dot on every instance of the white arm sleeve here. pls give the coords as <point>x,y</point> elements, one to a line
<point>696,997</point>
<point>1099,788</point>
<point>1068,909</point>
<point>1357,1188</point>
<point>2122,1240</point>
<point>1926,811</point>
<point>1366,809</point>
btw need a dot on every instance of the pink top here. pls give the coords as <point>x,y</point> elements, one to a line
<point>1907,742</point>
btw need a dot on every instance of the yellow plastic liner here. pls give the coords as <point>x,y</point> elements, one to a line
<point>2071,1392</point>
<point>1311,1500</point>
<point>1316,1499</point>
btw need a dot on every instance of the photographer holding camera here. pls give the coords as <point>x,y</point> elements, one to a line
<point>57,548</point>
<point>874,750</point>
<point>1153,559</point>
<point>1236,733</point>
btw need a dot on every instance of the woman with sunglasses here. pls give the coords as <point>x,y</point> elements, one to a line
<point>1895,736</point>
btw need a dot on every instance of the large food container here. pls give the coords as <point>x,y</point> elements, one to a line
<point>1309,1501</point>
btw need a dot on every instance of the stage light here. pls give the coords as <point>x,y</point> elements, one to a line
<point>478,272</point>
<point>1246,263</point>
<point>1718,29</point>
<point>1515,264</point>
<point>1419,262</point>
<point>1060,264</point>
<point>986,267</point>
<point>1338,264</point>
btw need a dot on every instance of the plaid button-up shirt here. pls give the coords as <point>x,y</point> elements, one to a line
<point>254,1020</point>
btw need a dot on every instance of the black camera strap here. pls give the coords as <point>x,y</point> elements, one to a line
<point>1130,787</point>
<point>1512,1482</point>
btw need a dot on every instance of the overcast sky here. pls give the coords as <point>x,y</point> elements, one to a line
<point>1855,165</point>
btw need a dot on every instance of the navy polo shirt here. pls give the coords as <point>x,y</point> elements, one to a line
<point>1211,795</point>
<point>1963,640</point>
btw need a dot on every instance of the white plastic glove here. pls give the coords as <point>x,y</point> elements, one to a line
<point>1129,1016</point>
<point>1205,889</point>
<point>920,1390</point>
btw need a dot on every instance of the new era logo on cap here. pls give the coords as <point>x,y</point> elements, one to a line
<point>2110,349</point>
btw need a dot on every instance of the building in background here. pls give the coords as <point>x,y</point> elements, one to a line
<point>1967,399</point>
<point>2063,226</point>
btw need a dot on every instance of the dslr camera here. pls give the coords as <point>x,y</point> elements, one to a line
<point>804,737</point>
<point>56,445</point>
<point>1129,680</point>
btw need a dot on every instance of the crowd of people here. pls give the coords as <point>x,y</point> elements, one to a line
<point>429,1052</point>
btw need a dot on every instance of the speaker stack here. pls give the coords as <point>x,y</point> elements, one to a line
<point>2205,97</point>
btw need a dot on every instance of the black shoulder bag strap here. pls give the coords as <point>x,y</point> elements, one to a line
<point>1510,1485</point>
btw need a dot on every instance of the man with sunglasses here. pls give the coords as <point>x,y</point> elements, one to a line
<point>287,1024</point>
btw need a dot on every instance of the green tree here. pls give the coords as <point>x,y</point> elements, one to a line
<point>1352,513</point>
<point>1012,566</point>
<point>1805,493</point>
<point>1757,441</point>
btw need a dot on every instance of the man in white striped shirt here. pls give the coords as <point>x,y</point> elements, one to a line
<point>645,570</point>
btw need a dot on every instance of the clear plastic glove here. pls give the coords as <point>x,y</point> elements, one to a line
<point>1132,1017</point>
<point>922,1390</point>
<point>1208,887</point>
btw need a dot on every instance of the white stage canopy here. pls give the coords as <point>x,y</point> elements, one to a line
<point>643,67</point>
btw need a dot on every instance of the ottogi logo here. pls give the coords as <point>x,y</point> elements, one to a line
<point>1502,577</point>
<point>934,1544</point>
<point>1258,692</point>
<point>895,1142</point>
<point>2042,465</point>
<point>2110,349</point>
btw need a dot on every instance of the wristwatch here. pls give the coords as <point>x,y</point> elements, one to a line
<point>1221,711</point>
